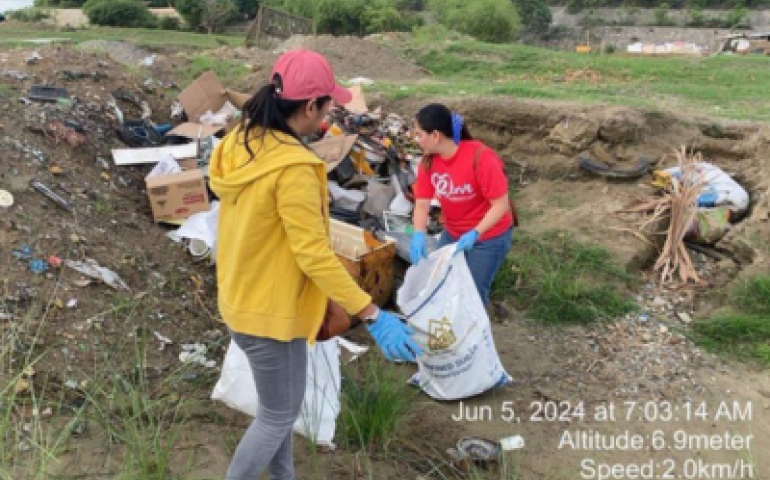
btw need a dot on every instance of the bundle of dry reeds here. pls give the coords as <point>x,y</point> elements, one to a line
<point>678,204</point>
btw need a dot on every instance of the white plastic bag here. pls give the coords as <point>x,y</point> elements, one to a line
<point>720,188</point>
<point>318,415</point>
<point>451,325</point>
<point>344,198</point>
<point>166,166</point>
<point>200,226</point>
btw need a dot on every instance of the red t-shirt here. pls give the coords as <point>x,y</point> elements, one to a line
<point>464,194</point>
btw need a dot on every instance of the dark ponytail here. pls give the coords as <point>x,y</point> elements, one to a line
<point>436,117</point>
<point>266,111</point>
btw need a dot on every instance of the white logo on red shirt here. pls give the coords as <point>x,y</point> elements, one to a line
<point>445,187</point>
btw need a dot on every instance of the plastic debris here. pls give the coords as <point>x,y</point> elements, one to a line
<point>15,74</point>
<point>515,442</point>
<point>33,58</point>
<point>177,109</point>
<point>91,268</point>
<point>196,353</point>
<point>200,231</point>
<point>163,340</point>
<point>482,451</point>
<point>38,265</point>
<point>353,350</point>
<point>22,253</point>
<point>362,81</point>
<point>148,61</point>
<point>50,194</point>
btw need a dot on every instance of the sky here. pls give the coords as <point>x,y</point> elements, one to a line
<point>14,4</point>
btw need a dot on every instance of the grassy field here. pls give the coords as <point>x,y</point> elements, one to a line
<point>13,35</point>
<point>724,86</point>
<point>731,87</point>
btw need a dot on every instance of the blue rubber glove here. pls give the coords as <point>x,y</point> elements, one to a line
<point>394,338</point>
<point>417,249</point>
<point>467,241</point>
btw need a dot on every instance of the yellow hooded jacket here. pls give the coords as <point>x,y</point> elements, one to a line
<point>275,265</point>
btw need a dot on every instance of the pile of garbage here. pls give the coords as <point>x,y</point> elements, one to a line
<point>372,162</point>
<point>371,159</point>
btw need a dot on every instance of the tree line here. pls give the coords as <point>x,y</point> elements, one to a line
<point>488,20</point>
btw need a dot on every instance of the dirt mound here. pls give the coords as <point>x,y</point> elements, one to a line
<point>350,57</point>
<point>357,57</point>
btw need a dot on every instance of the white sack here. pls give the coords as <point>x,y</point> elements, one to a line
<point>451,325</point>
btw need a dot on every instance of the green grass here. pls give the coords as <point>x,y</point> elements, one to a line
<point>376,401</point>
<point>138,420</point>
<point>744,331</point>
<point>229,72</point>
<point>721,86</point>
<point>143,419</point>
<point>558,279</point>
<point>753,295</point>
<point>20,35</point>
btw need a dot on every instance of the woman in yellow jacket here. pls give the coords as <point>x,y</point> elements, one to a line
<point>275,265</point>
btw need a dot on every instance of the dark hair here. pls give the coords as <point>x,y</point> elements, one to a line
<point>437,117</point>
<point>266,111</point>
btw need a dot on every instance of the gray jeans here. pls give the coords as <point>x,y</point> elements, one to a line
<point>280,374</point>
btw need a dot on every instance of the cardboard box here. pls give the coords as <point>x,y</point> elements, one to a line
<point>333,150</point>
<point>176,196</point>
<point>358,104</point>
<point>369,261</point>
<point>204,94</point>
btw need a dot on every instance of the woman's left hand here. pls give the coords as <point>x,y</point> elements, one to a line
<point>467,241</point>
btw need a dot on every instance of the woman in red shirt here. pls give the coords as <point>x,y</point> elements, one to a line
<point>469,181</point>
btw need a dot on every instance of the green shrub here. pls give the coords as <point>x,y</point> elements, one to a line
<point>341,17</point>
<point>696,17</point>
<point>29,15</point>
<point>487,20</point>
<point>169,23</point>
<point>191,11</point>
<point>534,14</point>
<point>737,17</point>
<point>661,16</point>
<point>119,13</point>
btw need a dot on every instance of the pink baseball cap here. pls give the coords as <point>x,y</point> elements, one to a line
<point>306,74</point>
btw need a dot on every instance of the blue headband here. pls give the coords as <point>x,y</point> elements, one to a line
<point>457,127</point>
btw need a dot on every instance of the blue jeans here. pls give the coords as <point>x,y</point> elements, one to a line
<point>484,259</point>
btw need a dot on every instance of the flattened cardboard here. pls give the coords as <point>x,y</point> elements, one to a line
<point>137,156</point>
<point>204,94</point>
<point>358,103</point>
<point>175,197</point>
<point>192,130</point>
<point>333,150</point>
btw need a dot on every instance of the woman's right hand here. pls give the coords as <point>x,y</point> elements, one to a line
<point>417,249</point>
<point>394,338</point>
